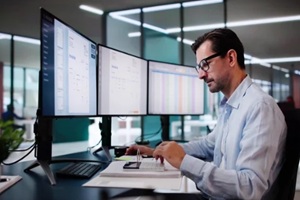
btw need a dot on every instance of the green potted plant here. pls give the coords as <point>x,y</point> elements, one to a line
<point>10,139</point>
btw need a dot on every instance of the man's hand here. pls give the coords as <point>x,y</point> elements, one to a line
<point>171,151</point>
<point>144,150</point>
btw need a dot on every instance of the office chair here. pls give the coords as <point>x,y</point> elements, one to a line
<point>285,184</point>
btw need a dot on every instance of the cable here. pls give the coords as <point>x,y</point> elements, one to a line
<point>124,118</point>
<point>20,158</point>
<point>90,148</point>
<point>147,136</point>
<point>24,149</point>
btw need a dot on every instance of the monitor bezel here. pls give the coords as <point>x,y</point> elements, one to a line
<point>147,77</point>
<point>148,90</point>
<point>44,12</point>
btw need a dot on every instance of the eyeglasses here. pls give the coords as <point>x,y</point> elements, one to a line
<point>203,64</point>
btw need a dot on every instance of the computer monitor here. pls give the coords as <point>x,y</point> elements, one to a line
<point>174,90</point>
<point>122,89</point>
<point>67,83</point>
<point>68,70</point>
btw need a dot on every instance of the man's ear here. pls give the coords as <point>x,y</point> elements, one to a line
<point>232,57</point>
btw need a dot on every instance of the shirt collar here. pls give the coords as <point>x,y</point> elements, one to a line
<point>236,97</point>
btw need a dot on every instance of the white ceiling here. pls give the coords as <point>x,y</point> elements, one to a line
<point>262,41</point>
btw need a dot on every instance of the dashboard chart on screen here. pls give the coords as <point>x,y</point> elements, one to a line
<point>122,83</point>
<point>68,70</point>
<point>174,90</point>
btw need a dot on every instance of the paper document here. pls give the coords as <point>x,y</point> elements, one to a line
<point>131,182</point>
<point>115,169</point>
<point>10,180</point>
<point>115,176</point>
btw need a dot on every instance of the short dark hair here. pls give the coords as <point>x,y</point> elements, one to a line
<point>222,40</point>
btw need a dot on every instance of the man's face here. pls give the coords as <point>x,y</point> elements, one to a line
<point>217,74</point>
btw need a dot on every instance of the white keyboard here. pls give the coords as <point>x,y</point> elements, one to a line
<point>152,167</point>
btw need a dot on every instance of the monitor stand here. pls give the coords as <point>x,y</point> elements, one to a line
<point>165,124</point>
<point>142,141</point>
<point>105,128</point>
<point>43,147</point>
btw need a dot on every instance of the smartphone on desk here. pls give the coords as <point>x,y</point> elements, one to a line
<point>144,166</point>
<point>132,165</point>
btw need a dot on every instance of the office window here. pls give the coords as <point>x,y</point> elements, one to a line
<point>262,75</point>
<point>26,66</point>
<point>31,92</point>
<point>285,85</point>
<point>19,90</point>
<point>26,54</point>
<point>122,35</point>
<point>5,48</point>
<point>160,45</point>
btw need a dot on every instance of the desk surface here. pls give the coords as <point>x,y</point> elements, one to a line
<point>35,185</point>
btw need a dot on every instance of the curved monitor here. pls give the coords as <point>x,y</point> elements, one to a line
<point>68,70</point>
<point>122,79</point>
<point>174,90</point>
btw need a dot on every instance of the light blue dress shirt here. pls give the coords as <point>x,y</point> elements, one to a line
<point>243,154</point>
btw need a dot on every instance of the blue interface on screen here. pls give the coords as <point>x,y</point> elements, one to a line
<point>68,70</point>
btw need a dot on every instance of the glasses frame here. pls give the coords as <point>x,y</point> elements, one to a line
<point>203,64</point>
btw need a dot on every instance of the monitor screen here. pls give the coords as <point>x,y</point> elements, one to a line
<point>68,70</point>
<point>174,90</point>
<point>122,83</point>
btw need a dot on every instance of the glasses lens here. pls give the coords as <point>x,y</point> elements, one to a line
<point>204,65</point>
<point>197,68</point>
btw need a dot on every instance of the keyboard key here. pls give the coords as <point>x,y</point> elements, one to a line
<point>79,170</point>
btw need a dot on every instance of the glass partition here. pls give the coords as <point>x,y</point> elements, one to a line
<point>160,36</point>
<point>5,57</point>
<point>123,35</point>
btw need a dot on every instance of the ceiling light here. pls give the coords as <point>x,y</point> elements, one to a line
<point>188,42</point>
<point>173,30</point>
<point>27,40</point>
<point>155,28</point>
<point>127,12</point>
<point>159,8</point>
<point>297,72</point>
<point>276,67</point>
<point>284,70</point>
<point>134,34</point>
<point>247,56</point>
<point>203,27</point>
<point>200,3</point>
<point>5,36</point>
<point>280,60</point>
<point>185,41</point>
<point>91,9</point>
<point>264,21</point>
<point>259,61</point>
<point>125,19</point>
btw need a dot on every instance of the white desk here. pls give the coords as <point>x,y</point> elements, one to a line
<point>189,123</point>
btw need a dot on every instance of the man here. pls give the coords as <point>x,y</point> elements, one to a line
<point>242,156</point>
<point>10,114</point>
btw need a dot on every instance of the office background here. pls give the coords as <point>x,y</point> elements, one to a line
<point>163,35</point>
